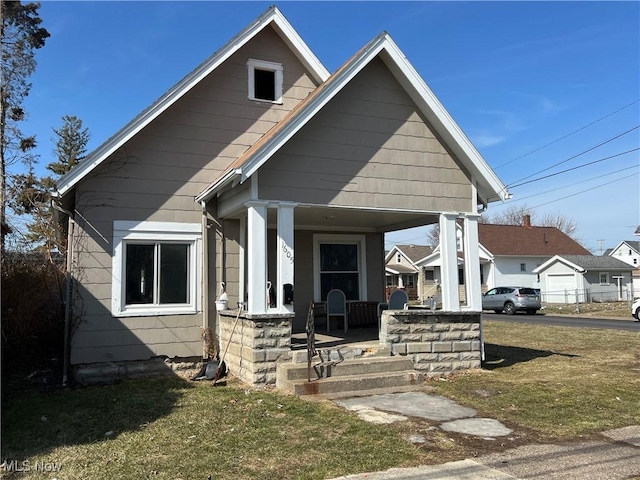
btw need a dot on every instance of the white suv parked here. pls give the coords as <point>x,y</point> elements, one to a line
<point>635,309</point>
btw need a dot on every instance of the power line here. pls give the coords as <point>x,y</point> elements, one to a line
<point>573,184</point>
<point>576,155</point>
<point>575,168</point>
<point>581,192</point>
<point>567,135</point>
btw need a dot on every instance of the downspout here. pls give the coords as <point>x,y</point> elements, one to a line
<point>205,274</point>
<point>67,307</point>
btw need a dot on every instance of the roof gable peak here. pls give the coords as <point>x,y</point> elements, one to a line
<point>270,17</point>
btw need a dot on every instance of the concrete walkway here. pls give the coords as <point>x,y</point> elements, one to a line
<point>615,456</point>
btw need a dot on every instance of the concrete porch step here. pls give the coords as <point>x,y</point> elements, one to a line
<point>356,366</point>
<point>343,353</point>
<point>353,383</point>
<point>369,373</point>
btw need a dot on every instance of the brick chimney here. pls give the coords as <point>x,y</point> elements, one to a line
<point>526,221</point>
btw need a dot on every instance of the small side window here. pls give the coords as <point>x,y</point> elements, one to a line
<point>265,81</point>
<point>604,278</point>
<point>523,267</point>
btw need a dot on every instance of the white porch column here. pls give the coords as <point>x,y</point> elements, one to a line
<point>449,258</point>
<point>285,253</point>
<point>257,256</point>
<point>242,248</point>
<point>472,262</point>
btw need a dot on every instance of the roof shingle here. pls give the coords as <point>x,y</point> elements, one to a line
<point>524,240</point>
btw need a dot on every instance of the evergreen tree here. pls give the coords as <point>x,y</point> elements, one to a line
<point>20,36</point>
<point>32,195</point>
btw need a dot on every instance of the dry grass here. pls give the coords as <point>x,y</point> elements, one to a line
<point>558,382</point>
<point>547,383</point>
<point>621,310</point>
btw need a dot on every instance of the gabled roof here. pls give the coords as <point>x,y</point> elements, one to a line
<point>584,263</point>
<point>633,244</point>
<point>489,186</point>
<point>271,17</point>
<point>413,253</point>
<point>396,269</point>
<point>519,240</point>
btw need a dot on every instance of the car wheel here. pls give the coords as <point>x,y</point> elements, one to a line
<point>637,315</point>
<point>531,312</point>
<point>498,310</point>
<point>509,308</point>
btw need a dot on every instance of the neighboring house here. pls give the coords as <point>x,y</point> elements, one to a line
<point>401,268</point>
<point>584,278</point>
<point>629,252</point>
<point>508,255</point>
<point>517,250</point>
<point>259,166</point>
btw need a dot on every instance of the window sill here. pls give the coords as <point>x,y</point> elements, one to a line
<point>156,311</point>
<point>272,102</point>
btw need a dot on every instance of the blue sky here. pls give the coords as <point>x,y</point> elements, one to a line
<point>515,76</point>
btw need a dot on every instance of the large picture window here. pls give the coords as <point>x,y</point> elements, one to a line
<point>339,263</point>
<point>155,268</point>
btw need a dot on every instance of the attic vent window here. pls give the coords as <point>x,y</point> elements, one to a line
<point>265,81</point>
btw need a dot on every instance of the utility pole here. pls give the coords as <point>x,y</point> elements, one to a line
<point>600,243</point>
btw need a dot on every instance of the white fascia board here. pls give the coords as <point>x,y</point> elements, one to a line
<point>391,270</point>
<point>432,260</point>
<point>299,47</point>
<point>445,125</point>
<point>311,109</point>
<point>558,258</point>
<point>301,50</point>
<point>228,178</point>
<point>389,255</point>
<point>487,254</point>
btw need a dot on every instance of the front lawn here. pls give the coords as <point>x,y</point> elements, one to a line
<point>547,383</point>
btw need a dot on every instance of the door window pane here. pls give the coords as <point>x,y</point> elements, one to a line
<point>339,258</point>
<point>139,276</point>
<point>347,282</point>
<point>174,273</point>
<point>339,269</point>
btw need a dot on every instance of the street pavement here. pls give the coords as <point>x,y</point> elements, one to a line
<point>615,455</point>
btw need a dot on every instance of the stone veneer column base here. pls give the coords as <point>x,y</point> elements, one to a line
<point>258,343</point>
<point>438,342</point>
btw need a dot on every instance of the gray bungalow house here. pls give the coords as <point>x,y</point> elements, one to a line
<point>261,169</point>
<point>584,278</point>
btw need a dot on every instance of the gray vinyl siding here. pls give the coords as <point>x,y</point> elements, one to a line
<point>155,177</point>
<point>369,147</point>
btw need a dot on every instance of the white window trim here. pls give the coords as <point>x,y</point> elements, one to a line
<point>360,240</point>
<point>126,231</point>
<point>252,64</point>
<point>600,278</point>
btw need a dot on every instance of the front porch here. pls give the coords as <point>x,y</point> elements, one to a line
<point>263,349</point>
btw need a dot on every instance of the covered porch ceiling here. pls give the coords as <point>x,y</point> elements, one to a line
<point>307,217</point>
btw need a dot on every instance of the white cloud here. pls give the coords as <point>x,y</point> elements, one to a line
<point>487,140</point>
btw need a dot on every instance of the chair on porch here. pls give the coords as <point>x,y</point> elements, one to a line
<point>398,300</point>
<point>337,307</point>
